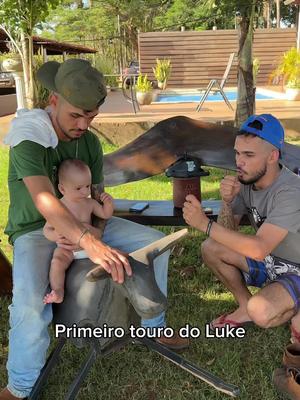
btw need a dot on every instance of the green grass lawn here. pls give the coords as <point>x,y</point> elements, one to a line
<point>196,298</point>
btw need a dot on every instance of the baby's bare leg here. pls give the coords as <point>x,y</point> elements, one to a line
<point>61,260</point>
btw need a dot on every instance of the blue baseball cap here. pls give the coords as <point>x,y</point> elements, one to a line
<point>267,128</point>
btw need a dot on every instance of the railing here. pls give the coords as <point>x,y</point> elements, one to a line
<point>128,88</point>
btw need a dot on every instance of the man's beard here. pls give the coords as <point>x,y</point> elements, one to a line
<point>66,133</point>
<point>256,178</point>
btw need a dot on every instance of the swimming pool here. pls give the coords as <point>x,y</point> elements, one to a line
<point>190,97</point>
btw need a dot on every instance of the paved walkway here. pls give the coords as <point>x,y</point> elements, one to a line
<point>117,110</point>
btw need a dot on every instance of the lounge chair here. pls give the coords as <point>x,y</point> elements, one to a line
<point>219,85</point>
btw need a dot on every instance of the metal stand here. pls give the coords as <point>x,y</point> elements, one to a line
<point>142,257</point>
<point>198,372</point>
<point>96,350</point>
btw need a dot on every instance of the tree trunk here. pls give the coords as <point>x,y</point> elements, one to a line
<point>25,61</point>
<point>27,50</point>
<point>278,13</point>
<point>32,86</point>
<point>267,11</point>
<point>246,91</point>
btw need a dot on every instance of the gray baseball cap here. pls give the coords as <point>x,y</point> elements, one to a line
<point>76,81</point>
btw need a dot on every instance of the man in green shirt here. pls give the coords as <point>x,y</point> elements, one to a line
<point>39,141</point>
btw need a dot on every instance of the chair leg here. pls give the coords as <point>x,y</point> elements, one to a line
<point>208,89</point>
<point>204,97</point>
<point>51,362</point>
<point>134,101</point>
<point>225,97</point>
<point>198,372</point>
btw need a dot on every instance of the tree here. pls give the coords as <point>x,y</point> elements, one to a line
<point>246,91</point>
<point>87,25</point>
<point>110,26</point>
<point>183,13</point>
<point>18,18</point>
<point>133,16</point>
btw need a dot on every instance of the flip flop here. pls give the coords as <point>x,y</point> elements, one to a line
<point>223,320</point>
<point>295,338</point>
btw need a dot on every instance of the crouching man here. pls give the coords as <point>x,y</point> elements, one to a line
<point>270,194</point>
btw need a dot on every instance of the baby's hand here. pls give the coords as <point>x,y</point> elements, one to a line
<point>105,197</point>
<point>108,204</point>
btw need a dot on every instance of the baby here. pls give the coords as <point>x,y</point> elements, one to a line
<point>74,178</point>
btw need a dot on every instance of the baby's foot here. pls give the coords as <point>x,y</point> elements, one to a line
<point>55,296</point>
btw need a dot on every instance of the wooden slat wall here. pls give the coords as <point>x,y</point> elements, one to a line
<point>198,57</point>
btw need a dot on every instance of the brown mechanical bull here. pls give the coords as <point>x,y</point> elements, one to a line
<point>151,153</point>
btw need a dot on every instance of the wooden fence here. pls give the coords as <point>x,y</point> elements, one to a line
<point>197,57</point>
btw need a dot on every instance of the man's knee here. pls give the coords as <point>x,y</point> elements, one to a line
<point>29,312</point>
<point>272,303</point>
<point>209,250</point>
<point>261,311</point>
<point>154,234</point>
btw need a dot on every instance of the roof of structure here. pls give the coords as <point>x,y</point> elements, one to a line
<point>53,47</point>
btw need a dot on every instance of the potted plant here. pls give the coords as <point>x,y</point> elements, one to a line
<point>288,71</point>
<point>162,72</point>
<point>143,88</point>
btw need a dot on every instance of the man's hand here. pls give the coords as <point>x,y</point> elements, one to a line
<point>193,213</point>
<point>64,243</point>
<point>112,260</point>
<point>229,188</point>
<point>93,230</point>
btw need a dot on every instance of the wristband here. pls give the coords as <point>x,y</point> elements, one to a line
<point>209,225</point>
<point>81,236</point>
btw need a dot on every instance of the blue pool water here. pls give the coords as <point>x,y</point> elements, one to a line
<point>187,98</point>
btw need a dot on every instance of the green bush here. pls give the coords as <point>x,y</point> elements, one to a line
<point>288,69</point>
<point>106,66</point>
